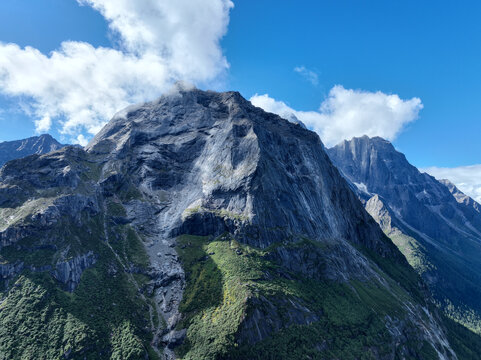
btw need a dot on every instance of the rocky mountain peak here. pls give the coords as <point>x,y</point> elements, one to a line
<point>204,224</point>
<point>211,152</point>
<point>436,226</point>
<point>373,162</point>
<point>42,144</point>
<point>461,197</point>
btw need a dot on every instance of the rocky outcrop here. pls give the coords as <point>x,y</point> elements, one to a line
<point>271,315</point>
<point>309,259</point>
<point>37,216</point>
<point>471,208</point>
<point>10,270</point>
<point>68,272</point>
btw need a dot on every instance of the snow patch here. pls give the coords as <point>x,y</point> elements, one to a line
<point>362,187</point>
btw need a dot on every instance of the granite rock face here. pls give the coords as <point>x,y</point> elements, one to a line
<point>219,164</point>
<point>435,225</point>
<point>206,164</point>
<point>70,271</point>
<point>42,144</point>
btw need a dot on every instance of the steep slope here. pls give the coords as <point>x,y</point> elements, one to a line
<point>42,144</point>
<point>437,227</point>
<point>200,227</point>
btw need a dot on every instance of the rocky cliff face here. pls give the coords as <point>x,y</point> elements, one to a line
<point>200,227</point>
<point>42,144</point>
<point>436,226</point>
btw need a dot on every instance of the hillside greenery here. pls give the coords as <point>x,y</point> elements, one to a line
<point>464,342</point>
<point>105,317</point>
<point>224,276</point>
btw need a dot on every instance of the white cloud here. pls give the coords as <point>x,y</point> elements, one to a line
<point>466,178</point>
<point>43,124</point>
<point>307,74</point>
<point>346,113</point>
<point>81,140</point>
<point>158,42</point>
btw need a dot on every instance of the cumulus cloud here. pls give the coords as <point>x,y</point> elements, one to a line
<point>157,42</point>
<point>307,74</point>
<point>346,113</point>
<point>81,140</point>
<point>466,178</point>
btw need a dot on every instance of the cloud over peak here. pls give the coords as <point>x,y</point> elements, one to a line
<point>158,42</point>
<point>346,113</point>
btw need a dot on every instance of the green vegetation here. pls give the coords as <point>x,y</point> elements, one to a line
<point>463,315</point>
<point>205,279</point>
<point>223,213</point>
<point>33,257</point>
<point>214,301</point>
<point>130,193</point>
<point>458,303</point>
<point>413,251</point>
<point>125,345</point>
<point>134,250</point>
<point>90,170</point>
<point>45,247</point>
<point>223,279</point>
<point>38,318</point>
<point>465,343</point>
<point>461,305</point>
<point>115,208</point>
<point>405,279</point>
<point>104,318</point>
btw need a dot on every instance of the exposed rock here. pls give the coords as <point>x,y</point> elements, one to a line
<point>216,161</point>
<point>69,272</point>
<point>10,270</point>
<point>174,338</point>
<point>42,144</point>
<point>342,264</point>
<point>266,318</point>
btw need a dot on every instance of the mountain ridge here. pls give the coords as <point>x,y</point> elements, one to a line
<point>42,144</point>
<point>198,226</point>
<point>436,226</point>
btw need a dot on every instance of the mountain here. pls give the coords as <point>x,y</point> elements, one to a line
<point>436,226</point>
<point>42,144</point>
<point>198,226</point>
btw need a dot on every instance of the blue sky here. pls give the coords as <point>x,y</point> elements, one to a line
<point>427,50</point>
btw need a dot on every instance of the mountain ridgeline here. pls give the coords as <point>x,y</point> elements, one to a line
<point>197,227</point>
<point>10,150</point>
<point>435,225</point>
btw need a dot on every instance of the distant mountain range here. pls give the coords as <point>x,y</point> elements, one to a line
<point>436,226</point>
<point>42,144</point>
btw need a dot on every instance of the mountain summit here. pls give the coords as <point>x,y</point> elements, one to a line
<point>42,144</point>
<point>213,153</point>
<point>435,225</point>
<point>198,226</point>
